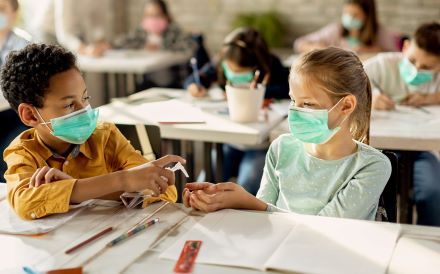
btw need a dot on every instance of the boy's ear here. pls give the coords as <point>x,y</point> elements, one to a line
<point>28,115</point>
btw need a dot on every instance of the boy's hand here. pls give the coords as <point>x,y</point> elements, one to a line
<point>149,177</point>
<point>383,102</point>
<point>417,100</point>
<point>47,175</point>
<point>196,91</point>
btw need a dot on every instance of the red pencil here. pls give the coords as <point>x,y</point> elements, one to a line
<point>94,237</point>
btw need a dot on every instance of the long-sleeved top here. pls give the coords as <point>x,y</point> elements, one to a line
<point>350,187</point>
<point>383,70</point>
<point>173,39</point>
<point>106,151</point>
<point>277,88</point>
<point>331,35</point>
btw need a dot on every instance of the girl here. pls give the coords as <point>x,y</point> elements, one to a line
<point>359,30</point>
<point>157,31</point>
<point>244,52</point>
<point>321,167</point>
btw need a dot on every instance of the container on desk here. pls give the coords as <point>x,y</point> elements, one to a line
<point>244,103</point>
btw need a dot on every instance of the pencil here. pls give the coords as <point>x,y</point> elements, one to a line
<point>91,239</point>
<point>132,232</point>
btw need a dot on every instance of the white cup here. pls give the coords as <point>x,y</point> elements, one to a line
<point>245,103</point>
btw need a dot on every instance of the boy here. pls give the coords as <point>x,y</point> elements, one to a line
<point>413,78</point>
<point>65,157</point>
<point>10,39</point>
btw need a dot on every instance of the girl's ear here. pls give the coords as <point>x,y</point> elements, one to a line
<point>349,104</point>
<point>27,115</point>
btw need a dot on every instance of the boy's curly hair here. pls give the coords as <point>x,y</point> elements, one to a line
<point>26,74</point>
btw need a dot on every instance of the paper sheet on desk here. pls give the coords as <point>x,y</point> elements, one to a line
<point>3,192</point>
<point>290,243</point>
<point>10,223</point>
<point>170,112</point>
<point>405,114</point>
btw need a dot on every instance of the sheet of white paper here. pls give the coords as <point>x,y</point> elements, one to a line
<point>289,242</point>
<point>244,239</point>
<point>2,191</point>
<point>331,245</point>
<point>10,223</point>
<point>415,256</point>
<point>405,115</point>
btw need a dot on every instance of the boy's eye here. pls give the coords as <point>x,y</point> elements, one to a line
<point>86,98</point>
<point>70,106</point>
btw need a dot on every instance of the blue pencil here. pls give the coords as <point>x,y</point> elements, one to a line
<point>29,270</point>
<point>193,62</point>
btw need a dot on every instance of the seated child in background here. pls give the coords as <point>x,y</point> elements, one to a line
<point>321,167</point>
<point>359,31</point>
<point>10,39</point>
<point>243,52</point>
<point>158,31</point>
<point>412,78</point>
<point>66,157</point>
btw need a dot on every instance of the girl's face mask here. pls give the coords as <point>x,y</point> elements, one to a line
<point>155,25</point>
<point>311,125</point>
<point>237,78</point>
<point>350,22</point>
<point>75,127</point>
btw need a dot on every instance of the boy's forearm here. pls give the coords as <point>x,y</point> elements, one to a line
<point>99,186</point>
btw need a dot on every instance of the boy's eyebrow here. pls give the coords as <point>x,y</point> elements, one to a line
<point>72,96</point>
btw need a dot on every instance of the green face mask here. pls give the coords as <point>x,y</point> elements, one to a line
<point>411,75</point>
<point>237,78</point>
<point>76,127</point>
<point>351,23</point>
<point>311,125</point>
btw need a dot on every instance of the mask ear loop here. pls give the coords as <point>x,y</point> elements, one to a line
<point>345,118</point>
<point>44,121</point>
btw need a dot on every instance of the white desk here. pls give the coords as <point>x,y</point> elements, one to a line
<point>131,61</point>
<point>410,130</point>
<point>121,68</point>
<point>217,129</point>
<point>135,255</point>
<point>288,62</point>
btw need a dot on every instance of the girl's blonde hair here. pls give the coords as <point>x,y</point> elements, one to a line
<point>340,73</point>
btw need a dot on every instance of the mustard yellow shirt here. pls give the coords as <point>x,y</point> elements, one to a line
<point>106,151</point>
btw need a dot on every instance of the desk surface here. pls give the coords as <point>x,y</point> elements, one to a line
<point>131,61</point>
<point>47,252</point>
<point>218,127</point>
<point>404,129</point>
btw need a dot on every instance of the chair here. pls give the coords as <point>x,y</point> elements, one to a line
<point>145,138</point>
<point>387,210</point>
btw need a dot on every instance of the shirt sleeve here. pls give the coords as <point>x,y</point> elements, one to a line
<point>374,71</point>
<point>359,198</point>
<point>33,203</point>
<point>326,36</point>
<point>269,187</point>
<point>126,157</point>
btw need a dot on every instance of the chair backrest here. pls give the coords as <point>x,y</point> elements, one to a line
<point>136,137</point>
<point>388,199</point>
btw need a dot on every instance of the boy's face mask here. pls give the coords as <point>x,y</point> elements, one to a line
<point>411,75</point>
<point>311,125</point>
<point>351,23</point>
<point>237,78</point>
<point>75,127</point>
